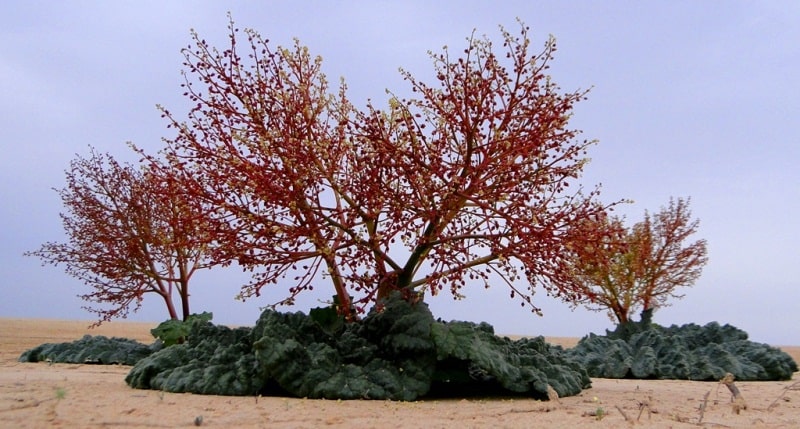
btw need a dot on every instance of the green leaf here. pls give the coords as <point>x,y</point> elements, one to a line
<point>328,318</point>
<point>174,331</point>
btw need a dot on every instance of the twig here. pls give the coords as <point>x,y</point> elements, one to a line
<point>785,389</point>
<point>33,404</point>
<point>134,424</point>
<point>644,405</point>
<point>627,419</point>
<point>738,400</point>
<point>703,407</point>
<point>599,413</point>
<point>714,424</point>
<point>552,395</point>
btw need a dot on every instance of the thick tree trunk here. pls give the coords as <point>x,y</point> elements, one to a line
<point>387,284</point>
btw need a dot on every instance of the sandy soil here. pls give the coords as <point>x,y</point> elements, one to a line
<point>38,395</point>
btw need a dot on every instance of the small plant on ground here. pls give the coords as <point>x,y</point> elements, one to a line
<point>600,412</point>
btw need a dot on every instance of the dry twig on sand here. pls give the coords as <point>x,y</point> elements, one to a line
<point>32,404</point>
<point>793,386</point>
<point>645,405</point>
<point>738,401</point>
<point>552,395</point>
<point>627,419</point>
<point>703,407</point>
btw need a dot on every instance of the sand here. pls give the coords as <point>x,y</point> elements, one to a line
<point>40,395</point>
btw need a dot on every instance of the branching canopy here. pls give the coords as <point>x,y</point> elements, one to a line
<point>467,180</point>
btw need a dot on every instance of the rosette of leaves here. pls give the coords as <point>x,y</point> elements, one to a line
<point>91,349</point>
<point>687,352</point>
<point>215,360</point>
<point>387,355</point>
<point>473,360</point>
<point>396,352</point>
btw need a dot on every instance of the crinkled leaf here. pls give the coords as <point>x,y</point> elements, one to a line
<point>218,360</point>
<point>91,349</point>
<point>472,358</point>
<point>687,352</point>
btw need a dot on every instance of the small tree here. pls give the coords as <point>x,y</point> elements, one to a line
<point>642,267</point>
<point>469,180</point>
<point>130,232</point>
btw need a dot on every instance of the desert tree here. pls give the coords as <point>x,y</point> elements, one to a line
<point>129,232</point>
<point>642,267</point>
<point>473,178</point>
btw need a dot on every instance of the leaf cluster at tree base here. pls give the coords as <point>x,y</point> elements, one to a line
<point>398,352</point>
<point>643,350</point>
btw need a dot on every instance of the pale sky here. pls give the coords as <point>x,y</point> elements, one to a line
<point>689,99</point>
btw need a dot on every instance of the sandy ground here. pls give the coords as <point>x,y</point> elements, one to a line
<point>38,395</point>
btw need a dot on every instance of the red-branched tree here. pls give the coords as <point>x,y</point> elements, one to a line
<point>130,232</point>
<point>642,268</point>
<point>468,181</point>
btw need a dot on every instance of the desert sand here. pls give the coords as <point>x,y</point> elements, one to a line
<point>41,395</point>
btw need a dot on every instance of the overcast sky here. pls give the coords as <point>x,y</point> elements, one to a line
<point>689,99</point>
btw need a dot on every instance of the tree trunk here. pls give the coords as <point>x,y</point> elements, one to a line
<point>170,306</point>
<point>621,314</point>
<point>184,291</point>
<point>387,284</point>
